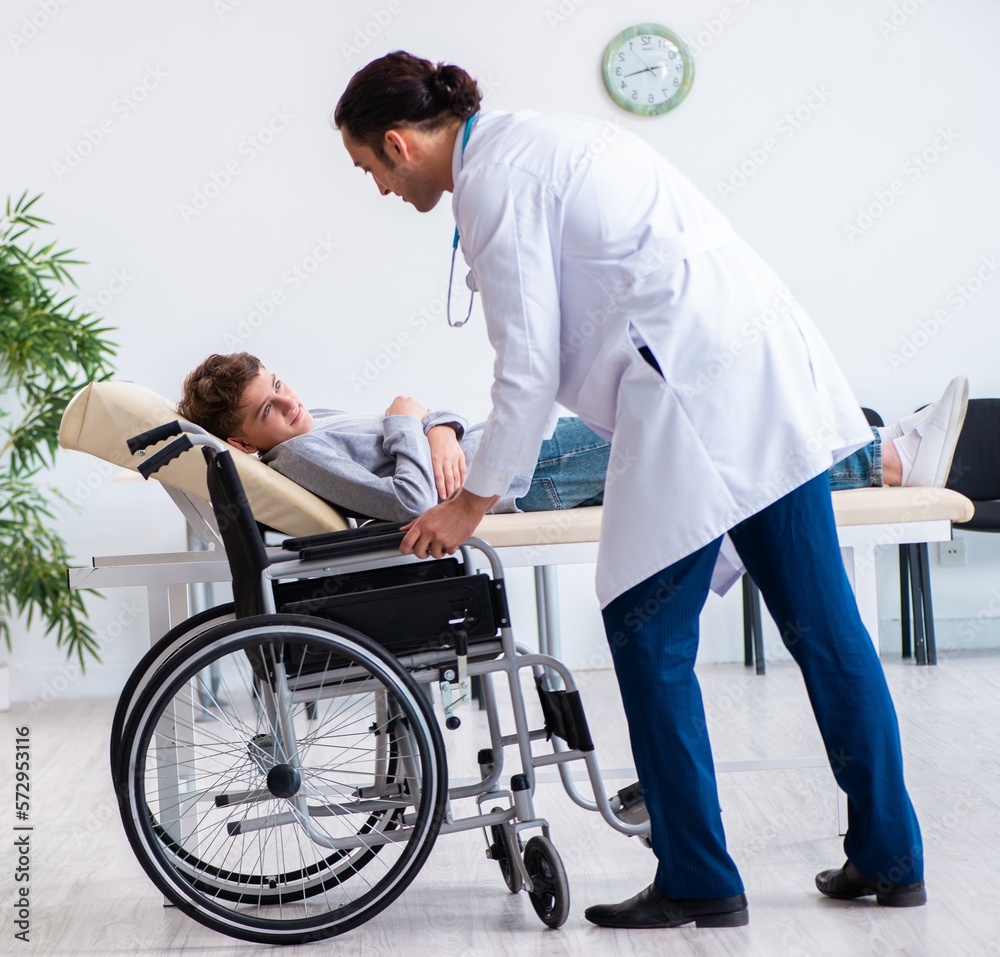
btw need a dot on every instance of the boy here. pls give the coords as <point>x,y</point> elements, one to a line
<point>394,467</point>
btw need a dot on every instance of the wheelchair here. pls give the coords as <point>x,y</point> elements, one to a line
<point>280,770</point>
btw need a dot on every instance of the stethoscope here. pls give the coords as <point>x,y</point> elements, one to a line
<point>470,280</point>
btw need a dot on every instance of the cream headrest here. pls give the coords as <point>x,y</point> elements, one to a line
<point>103,415</point>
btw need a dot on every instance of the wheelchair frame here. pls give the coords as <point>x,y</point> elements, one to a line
<point>373,787</point>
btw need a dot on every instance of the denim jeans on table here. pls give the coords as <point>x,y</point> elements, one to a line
<point>861,469</point>
<point>571,469</point>
<point>572,466</point>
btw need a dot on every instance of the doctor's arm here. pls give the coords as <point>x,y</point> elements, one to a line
<point>508,238</point>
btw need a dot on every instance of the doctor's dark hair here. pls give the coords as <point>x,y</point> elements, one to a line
<point>213,392</point>
<point>400,89</point>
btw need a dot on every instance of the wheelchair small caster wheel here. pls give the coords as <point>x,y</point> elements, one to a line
<point>549,888</point>
<point>453,723</point>
<point>505,850</point>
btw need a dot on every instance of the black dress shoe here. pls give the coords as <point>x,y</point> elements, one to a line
<point>650,908</point>
<point>848,882</point>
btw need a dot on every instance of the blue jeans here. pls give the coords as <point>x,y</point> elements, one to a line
<point>861,469</point>
<point>572,466</point>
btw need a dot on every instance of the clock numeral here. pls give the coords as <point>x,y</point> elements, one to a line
<point>666,92</point>
<point>624,84</point>
<point>646,41</point>
<point>651,100</point>
<point>662,43</point>
<point>677,82</point>
<point>635,94</point>
<point>621,56</point>
<point>618,71</point>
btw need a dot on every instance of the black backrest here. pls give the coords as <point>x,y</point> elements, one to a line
<point>240,536</point>
<point>975,469</point>
<point>872,416</point>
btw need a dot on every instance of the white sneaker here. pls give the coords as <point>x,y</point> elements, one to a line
<point>927,443</point>
<point>957,389</point>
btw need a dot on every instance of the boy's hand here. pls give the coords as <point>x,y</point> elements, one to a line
<point>448,460</point>
<point>404,405</point>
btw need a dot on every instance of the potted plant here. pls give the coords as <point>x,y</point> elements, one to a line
<point>48,351</point>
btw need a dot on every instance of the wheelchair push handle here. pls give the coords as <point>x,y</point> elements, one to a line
<point>151,436</point>
<point>167,454</point>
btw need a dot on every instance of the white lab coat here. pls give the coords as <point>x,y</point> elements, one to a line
<point>586,243</point>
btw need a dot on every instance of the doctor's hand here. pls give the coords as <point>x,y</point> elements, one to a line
<point>441,529</point>
<point>448,460</point>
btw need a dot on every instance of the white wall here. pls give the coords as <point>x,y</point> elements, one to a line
<point>180,284</point>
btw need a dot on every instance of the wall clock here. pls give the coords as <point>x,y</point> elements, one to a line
<point>648,69</point>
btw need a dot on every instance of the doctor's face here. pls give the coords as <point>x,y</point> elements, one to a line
<point>397,174</point>
<point>272,414</point>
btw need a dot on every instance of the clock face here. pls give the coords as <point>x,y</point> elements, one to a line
<point>648,69</point>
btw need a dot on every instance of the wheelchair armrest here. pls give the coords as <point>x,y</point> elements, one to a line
<point>347,543</point>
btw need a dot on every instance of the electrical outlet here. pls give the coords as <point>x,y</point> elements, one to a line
<point>952,553</point>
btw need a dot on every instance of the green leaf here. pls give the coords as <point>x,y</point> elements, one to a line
<point>49,350</point>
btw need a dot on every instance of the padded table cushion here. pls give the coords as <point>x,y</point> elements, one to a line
<point>886,506</point>
<point>104,414</point>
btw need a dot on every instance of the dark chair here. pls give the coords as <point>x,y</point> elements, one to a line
<point>975,472</point>
<point>753,630</point>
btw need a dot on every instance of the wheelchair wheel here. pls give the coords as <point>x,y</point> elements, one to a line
<point>505,849</point>
<point>309,806</point>
<point>549,888</point>
<point>158,653</point>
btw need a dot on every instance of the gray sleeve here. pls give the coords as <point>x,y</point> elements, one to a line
<point>445,418</point>
<point>406,493</point>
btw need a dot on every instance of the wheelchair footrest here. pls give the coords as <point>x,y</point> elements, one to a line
<point>564,717</point>
<point>629,805</point>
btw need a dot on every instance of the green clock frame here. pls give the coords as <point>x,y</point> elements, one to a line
<point>608,64</point>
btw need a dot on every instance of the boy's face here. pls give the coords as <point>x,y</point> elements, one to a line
<point>273,414</point>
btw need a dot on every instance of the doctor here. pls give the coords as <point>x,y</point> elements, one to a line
<point>611,285</point>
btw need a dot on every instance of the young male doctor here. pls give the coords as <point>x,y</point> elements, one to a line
<point>611,285</point>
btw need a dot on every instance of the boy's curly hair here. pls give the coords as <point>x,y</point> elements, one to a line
<point>213,392</point>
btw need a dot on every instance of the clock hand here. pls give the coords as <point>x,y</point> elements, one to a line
<point>648,69</point>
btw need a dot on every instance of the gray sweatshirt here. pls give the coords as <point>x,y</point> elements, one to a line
<point>374,466</point>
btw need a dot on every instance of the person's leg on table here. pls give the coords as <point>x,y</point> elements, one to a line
<point>862,469</point>
<point>791,551</point>
<point>653,634</point>
<point>571,469</point>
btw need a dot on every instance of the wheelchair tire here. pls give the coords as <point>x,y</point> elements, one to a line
<point>505,849</point>
<point>549,887</point>
<point>158,653</point>
<point>235,821</point>
<point>202,873</point>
